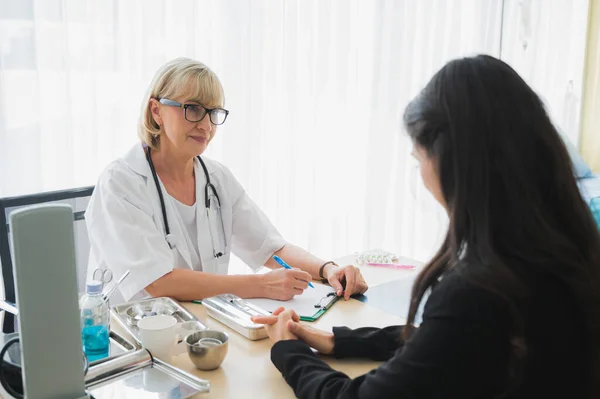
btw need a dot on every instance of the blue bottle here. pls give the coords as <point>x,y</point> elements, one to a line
<point>95,319</point>
<point>595,206</point>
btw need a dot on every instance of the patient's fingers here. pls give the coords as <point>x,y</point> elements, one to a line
<point>277,311</point>
<point>275,316</point>
<point>264,319</point>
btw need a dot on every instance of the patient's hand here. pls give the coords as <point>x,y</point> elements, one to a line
<point>289,321</point>
<point>276,324</point>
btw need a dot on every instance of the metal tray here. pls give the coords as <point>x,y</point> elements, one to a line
<point>136,374</point>
<point>164,305</point>
<point>235,313</point>
<point>119,345</point>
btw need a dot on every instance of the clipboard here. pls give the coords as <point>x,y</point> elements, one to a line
<point>332,298</point>
<point>235,312</point>
<point>312,304</point>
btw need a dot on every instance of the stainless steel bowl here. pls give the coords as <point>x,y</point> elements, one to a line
<point>207,348</point>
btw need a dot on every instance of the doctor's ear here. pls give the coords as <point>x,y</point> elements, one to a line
<point>155,110</point>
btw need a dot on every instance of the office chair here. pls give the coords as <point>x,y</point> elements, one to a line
<point>78,198</point>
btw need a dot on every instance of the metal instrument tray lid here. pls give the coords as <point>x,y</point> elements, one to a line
<point>235,313</point>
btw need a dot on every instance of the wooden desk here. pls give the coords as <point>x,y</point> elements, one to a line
<point>247,371</point>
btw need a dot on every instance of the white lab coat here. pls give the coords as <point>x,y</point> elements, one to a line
<point>126,230</point>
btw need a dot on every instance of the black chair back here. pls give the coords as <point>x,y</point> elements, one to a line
<point>78,198</point>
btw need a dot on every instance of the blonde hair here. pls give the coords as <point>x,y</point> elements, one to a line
<point>181,77</point>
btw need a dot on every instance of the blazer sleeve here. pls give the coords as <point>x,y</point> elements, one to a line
<point>367,342</point>
<point>459,351</point>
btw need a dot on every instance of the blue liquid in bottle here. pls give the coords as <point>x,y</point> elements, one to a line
<point>94,323</point>
<point>95,342</point>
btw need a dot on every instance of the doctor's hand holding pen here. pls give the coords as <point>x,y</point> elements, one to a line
<point>283,284</point>
<point>285,280</point>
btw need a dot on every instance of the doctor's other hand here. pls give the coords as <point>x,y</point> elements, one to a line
<point>322,341</point>
<point>349,276</point>
<point>282,284</point>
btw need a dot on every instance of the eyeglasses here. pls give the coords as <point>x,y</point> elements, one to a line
<point>195,112</point>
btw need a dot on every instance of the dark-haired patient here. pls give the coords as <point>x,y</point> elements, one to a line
<point>515,287</point>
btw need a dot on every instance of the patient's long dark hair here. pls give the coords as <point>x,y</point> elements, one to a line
<point>510,191</point>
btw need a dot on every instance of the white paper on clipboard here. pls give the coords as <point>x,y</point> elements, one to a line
<point>303,304</point>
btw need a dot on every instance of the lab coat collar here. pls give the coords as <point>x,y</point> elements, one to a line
<point>135,158</point>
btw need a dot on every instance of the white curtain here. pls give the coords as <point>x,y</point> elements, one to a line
<point>316,91</point>
<point>545,42</point>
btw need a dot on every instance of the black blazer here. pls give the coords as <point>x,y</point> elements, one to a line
<point>461,350</point>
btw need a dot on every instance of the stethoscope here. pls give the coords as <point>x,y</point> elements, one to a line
<point>209,186</point>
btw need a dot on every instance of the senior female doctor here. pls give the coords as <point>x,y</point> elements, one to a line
<point>173,218</point>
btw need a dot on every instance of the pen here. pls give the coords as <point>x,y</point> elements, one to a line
<point>392,265</point>
<point>285,265</point>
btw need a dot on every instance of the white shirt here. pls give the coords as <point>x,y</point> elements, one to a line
<point>187,215</point>
<point>126,229</point>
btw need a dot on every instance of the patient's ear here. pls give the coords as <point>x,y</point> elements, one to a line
<point>428,166</point>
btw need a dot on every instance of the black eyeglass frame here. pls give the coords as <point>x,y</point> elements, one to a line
<point>207,111</point>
